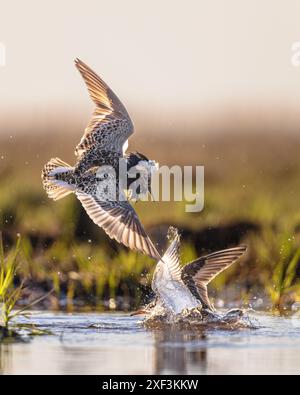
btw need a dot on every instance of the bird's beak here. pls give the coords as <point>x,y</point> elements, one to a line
<point>138,312</point>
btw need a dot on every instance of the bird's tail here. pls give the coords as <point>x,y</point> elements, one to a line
<point>58,179</point>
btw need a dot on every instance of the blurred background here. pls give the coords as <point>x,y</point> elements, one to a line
<point>206,83</point>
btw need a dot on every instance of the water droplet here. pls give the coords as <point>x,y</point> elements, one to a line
<point>112,304</point>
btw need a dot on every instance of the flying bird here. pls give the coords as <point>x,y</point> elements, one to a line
<point>180,288</point>
<point>101,148</point>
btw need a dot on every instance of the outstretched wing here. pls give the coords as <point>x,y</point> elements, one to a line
<point>171,258</point>
<point>110,126</point>
<point>170,263</point>
<point>197,274</point>
<point>120,222</point>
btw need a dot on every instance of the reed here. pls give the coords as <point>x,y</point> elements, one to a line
<point>9,294</point>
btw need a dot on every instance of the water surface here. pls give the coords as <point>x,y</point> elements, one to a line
<point>120,345</point>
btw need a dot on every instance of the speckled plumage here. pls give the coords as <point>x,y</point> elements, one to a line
<point>178,288</point>
<point>103,144</point>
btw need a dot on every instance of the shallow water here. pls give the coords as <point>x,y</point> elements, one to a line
<point>120,345</point>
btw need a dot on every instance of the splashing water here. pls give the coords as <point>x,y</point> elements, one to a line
<point>202,318</point>
<point>78,341</point>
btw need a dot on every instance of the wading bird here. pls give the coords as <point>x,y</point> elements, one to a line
<point>182,288</point>
<point>103,147</point>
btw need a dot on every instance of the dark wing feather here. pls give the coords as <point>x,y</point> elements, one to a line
<point>110,125</point>
<point>197,274</point>
<point>120,222</point>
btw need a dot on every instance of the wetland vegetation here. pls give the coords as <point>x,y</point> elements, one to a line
<point>251,197</point>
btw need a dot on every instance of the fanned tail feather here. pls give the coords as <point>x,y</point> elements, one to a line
<point>55,179</point>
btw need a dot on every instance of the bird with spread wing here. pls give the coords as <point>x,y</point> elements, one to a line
<point>103,147</point>
<point>180,288</point>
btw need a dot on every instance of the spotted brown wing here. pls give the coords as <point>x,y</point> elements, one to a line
<point>197,274</point>
<point>110,126</point>
<point>120,221</point>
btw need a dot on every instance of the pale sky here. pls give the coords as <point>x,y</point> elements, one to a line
<point>160,57</point>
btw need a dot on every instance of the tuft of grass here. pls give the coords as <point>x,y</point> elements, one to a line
<point>9,295</point>
<point>284,280</point>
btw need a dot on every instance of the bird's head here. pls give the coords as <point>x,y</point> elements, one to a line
<point>141,169</point>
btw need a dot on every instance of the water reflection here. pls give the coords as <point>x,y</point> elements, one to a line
<point>179,352</point>
<point>121,345</point>
<point>5,358</point>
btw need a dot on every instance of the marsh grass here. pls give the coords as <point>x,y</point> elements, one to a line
<point>10,294</point>
<point>285,285</point>
<point>90,274</point>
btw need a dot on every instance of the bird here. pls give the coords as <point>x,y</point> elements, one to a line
<point>184,288</point>
<point>94,178</point>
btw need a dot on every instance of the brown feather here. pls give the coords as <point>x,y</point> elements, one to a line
<point>120,222</point>
<point>197,274</point>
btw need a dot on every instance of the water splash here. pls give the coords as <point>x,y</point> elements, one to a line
<point>201,318</point>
